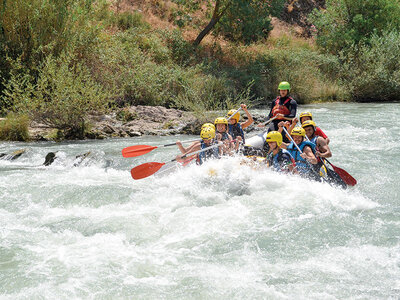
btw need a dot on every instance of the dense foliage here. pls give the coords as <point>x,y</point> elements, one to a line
<point>61,61</point>
<point>346,23</point>
<point>365,36</point>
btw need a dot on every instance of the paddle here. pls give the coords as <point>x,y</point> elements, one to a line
<point>343,175</point>
<point>332,174</point>
<point>311,168</point>
<point>148,169</point>
<point>234,113</point>
<point>346,177</point>
<point>138,150</point>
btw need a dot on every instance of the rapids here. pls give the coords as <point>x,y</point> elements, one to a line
<point>218,231</point>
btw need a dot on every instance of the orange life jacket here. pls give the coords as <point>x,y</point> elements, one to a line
<point>281,109</point>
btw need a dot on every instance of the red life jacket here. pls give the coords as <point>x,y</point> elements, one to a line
<point>281,109</point>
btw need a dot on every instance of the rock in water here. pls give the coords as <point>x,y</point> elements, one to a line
<point>49,159</point>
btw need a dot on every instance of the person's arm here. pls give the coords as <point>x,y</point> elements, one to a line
<point>320,133</point>
<point>192,148</point>
<point>183,149</point>
<point>249,117</point>
<point>270,111</point>
<point>284,145</point>
<point>309,155</point>
<point>293,109</point>
<point>325,151</point>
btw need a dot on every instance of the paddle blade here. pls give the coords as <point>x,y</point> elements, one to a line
<point>137,150</point>
<point>347,178</point>
<point>145,170</point>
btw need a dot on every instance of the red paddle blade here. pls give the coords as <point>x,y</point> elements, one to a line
<point>347,178</point>
<point>145,170</point>
<point>137,150</point>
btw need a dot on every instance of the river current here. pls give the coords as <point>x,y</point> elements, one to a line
<point>219,231</point>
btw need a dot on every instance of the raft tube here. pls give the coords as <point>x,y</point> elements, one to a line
<point>257,141</point>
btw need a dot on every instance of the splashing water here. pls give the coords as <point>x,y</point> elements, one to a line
<point>218,231</point>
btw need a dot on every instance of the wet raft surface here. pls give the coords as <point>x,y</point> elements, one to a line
<point>222,230</point>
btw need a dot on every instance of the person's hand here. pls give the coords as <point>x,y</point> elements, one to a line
<point>287,124</point>
<point>317,153</point>
<point>303,155</point>
<point>243,106</point>
<point>218,136</point>
<point>179,143</point>
<point>281,124</point>
<point>280,116</point>
<point>178,158</point>
<point>295,121</point>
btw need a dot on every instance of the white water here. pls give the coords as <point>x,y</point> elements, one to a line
<point>92,232</point>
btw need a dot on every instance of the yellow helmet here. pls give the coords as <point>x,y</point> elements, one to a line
<point>274,136</point>
<point>309,123</point>
<point>298,131</point>
<point>235,116</point>
<point>221,120</point>
<point>207,125</point>
<point>207,133</point>
<point>305,114</point>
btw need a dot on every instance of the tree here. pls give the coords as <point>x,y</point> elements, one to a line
<point>237,20</point>
<point>345,23</point>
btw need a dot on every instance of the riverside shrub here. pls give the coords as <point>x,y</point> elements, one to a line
<point>62,96</point>
<point>14,128</point>
<point>372,72</point>
<point>345,23</point>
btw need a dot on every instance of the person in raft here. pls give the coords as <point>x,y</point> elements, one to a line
<point>305,160</point>
<point>307,116</point>
<point>207,139</point>
<point>236,128</point>
<point>278,159</point>
<point>321,146</point>
<point>222,135</point>
<point>284,107</point>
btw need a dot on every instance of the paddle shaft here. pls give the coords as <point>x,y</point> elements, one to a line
<point>198,151</point>
<point>173,144</point>
<point>234,113</point>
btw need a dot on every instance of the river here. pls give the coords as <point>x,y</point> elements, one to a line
<point>92,232</point>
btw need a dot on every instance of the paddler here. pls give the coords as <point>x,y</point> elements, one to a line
<point>194,144</point>
<point>236,128</point>
<point>307,116</point>
<point>284,107</point>
<point>306,159</point>
<point>278,159</point>
<point>222,135</point>
<point>207,139</point>
<point>321,146</point>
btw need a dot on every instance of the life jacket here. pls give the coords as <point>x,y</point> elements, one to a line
<point>281,109</point>
<point>224,136</point>
<point>236,130</point>
<point>302,165</point>
<point>213,152</point>
<point>280,161</point>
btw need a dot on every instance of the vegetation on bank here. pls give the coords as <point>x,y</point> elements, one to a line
<point>62,60</point>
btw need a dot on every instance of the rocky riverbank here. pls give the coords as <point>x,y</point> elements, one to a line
<point>136,121</point>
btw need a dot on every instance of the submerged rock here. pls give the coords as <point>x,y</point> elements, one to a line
<point>16,154</point>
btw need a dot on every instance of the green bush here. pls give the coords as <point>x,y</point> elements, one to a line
<point>14,128</point>
<point>248,21</point>
<point>127,20</point>
<point>372,72</point>
<point>62,96</point>
<point>348,22</point>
